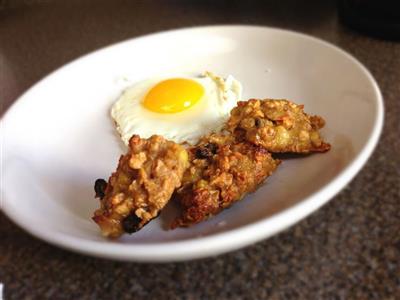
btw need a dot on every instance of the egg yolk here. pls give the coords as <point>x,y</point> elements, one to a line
<point>173,95</point>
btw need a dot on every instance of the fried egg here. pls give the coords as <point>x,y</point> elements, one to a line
<point>179,108</point>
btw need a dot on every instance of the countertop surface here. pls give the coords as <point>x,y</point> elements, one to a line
<point>348,249</point>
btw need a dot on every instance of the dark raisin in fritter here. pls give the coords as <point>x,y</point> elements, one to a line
<point>130,223</point>
<point>206,151</point>
<point>100,186</point>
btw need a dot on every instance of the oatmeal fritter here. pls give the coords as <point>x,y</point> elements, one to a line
<point>208,177</point>
<point>222,171</point>
<point>277,125</point>
<point>143,183</point>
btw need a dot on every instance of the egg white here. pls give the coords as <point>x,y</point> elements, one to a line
<point>204,117</point>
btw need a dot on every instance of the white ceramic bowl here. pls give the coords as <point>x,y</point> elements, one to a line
<point>58,137</point>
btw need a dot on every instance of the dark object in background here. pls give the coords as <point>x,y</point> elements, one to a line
<point>379,18</point>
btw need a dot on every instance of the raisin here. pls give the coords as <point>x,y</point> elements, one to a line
<point>100,186</point>
<point>202,153</point>
<point>131,223</point>
<point>206,151</point>
<point>212,147</point>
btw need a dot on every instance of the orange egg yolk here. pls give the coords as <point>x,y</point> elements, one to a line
<point>173,95</point>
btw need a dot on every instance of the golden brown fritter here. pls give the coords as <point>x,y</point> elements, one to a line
<point>277,125</point>
<point>222,172</point>
<point>143,183</point>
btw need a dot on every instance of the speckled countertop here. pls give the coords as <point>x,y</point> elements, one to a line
<point>349,249</point>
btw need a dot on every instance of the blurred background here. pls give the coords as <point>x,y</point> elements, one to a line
<point>349,249</point>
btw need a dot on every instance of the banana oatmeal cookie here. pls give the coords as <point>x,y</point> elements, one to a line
<point>143,183</point>
<point>222,171</point>
<point>277,125</point>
